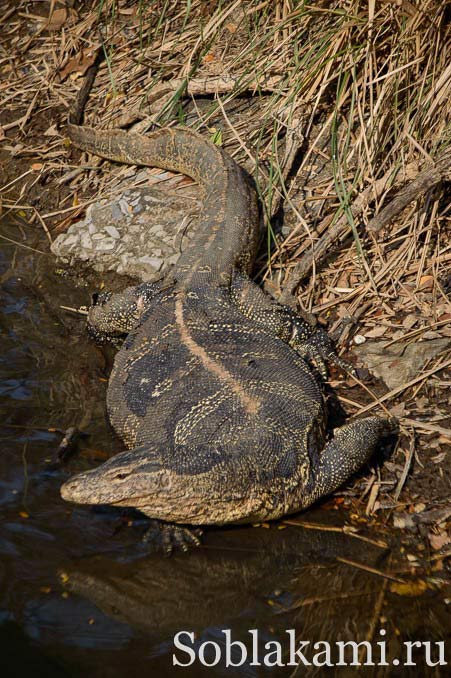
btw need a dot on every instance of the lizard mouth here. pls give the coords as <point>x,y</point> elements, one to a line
<point>134,502</point>
<point>80,490</point>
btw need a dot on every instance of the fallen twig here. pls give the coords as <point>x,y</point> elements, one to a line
<point>371,570</point>
<point>405,471</point>
<point>338,231</point>
<point>427,179</point>
<point>403,387</point>
<point>80,311</point>
<point>424,181</point>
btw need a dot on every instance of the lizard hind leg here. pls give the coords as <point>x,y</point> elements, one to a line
<point>352,445</point>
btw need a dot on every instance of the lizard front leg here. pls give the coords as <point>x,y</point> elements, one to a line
<point>311,343</point>
<point>170,537</point>
<point>113,314</point>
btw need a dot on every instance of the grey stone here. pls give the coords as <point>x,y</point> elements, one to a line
<point>400,362</point>
<point>86,241</point>
<point>144,245</point>
<point>69,240</point>
<point>105,244</point>
<point>124,207</point>
<point>152,261</point>
<point>113,232</point>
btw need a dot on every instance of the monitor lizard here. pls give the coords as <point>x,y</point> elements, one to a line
<point>214,391</point>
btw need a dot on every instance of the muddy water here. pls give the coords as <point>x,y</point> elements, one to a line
<point>81,595</point>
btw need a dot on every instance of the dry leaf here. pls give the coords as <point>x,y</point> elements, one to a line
<point>376,332</point>
<point>398,410</point>
<point>411,170</point>
<point>36,166</point>
<point>59,17</point>
<point>411,588</point>
<point>78,64</point>
<point>409,321</point>
<point>426,282</point>
<point>128,11</point>
<point>438,541</point>
<point>51,131</point>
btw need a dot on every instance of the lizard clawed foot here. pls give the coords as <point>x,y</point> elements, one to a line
<point>319,349</point>
<point>169,537</point>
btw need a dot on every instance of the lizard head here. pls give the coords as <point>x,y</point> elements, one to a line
<point>127,479</point>
<point>113,314</point>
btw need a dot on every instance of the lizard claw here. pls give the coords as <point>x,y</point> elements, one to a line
<point>169,537</point>
<point>319,349</point>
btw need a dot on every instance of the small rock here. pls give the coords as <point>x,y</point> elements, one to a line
<point>398,363</point>
<point>113,232</point>
<point>173,259</point>
<point>105,244</point>
<point>359,339</point>
<point>152,261</point>
<point>403,520</point>
<point>69,240</point>
<point>86,241</point>
<point>125,207</point>
<point>115,213</point>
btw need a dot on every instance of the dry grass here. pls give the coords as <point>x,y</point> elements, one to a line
<point>331,106</point>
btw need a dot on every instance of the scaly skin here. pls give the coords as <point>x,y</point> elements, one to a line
<point>213,391</point>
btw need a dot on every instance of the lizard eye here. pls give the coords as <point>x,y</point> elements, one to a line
<point>121,476</point>
<point>94,298</point>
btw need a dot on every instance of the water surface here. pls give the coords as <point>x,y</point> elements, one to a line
<point>81,595</point>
